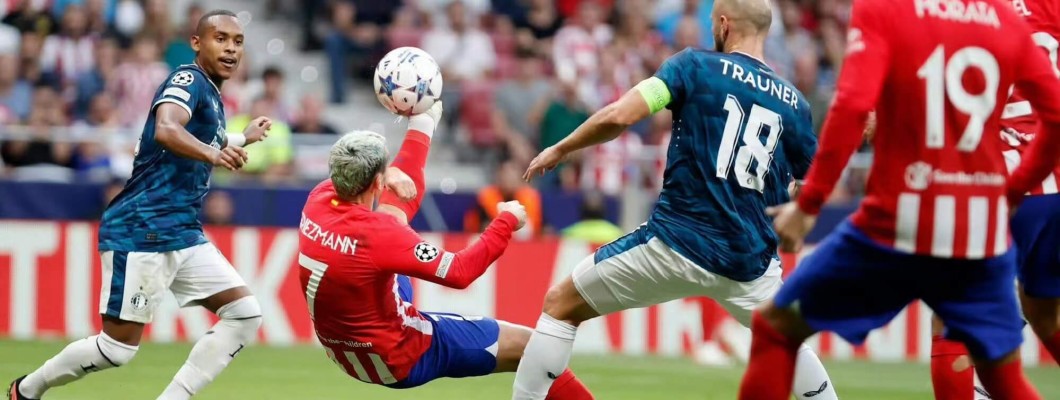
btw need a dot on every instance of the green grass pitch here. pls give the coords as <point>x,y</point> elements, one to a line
<point>305,373</point>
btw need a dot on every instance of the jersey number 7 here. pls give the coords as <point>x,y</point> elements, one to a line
<point>752,145</point>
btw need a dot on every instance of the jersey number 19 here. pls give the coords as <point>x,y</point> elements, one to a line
<point>752,147</point>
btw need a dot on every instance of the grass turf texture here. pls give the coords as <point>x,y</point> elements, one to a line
<point>306,373</point>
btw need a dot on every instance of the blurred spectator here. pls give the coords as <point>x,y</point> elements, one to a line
<point>105,9</point>
<point>375,12</point>
<point>473,9</point>
<point>29,52</point>
<point>275,94</point>
<point>699,12</point>
<point>38,148</point>
<point>576,50</point>
<point>310,119</point>
<point>178,51</point>
<point>156,22</point>
<point>102,112</point>
<point>563,114</point>
<point>270,159</point>
<point>508,185</point>
<point>69,53</point>
<point>31,16</point>
<point>593,226</point>
<point>542,19</point>
<point>511,121</point>
<point>568,8</point>
<point>218,208</point>
<point>462,51</point>
<point>136,80</point>
<point>15,93</point>
<point>688,33</point>
<point>98,78</point>
<point>350,46</point>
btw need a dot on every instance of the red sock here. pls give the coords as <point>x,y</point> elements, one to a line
<point>1007,382</point>
<point>950,384</point>
<point>411,160</point>
<point>568,387</point>
<point>771,370</point>
<point>1053,345</point>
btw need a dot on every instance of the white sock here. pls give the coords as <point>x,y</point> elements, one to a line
<point>77,359</point>
<point>546,357</point>
<point>239,324</point>
<point>811,380</point>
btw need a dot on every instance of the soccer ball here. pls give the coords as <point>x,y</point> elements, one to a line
<point>407,81</point>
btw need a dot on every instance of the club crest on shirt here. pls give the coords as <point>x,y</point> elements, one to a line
<point>425,252</point>
<point>918,175</point>
<point>182,78</point>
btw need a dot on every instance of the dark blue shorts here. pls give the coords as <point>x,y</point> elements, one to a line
<point>850,285</point>
<point>1036,232</point>
<point>460,347</point>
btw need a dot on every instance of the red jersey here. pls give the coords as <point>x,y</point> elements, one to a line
<point>1019,122</point>
<point>937,72</point>
<point>350,258</point>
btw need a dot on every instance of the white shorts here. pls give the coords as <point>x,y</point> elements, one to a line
<point>134,282</point>
<point>650,272</point>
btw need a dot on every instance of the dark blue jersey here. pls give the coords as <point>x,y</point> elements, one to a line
<point>740,135</point>
<point>158,210</point>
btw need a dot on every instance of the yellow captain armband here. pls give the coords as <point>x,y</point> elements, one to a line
<point>655,93</point>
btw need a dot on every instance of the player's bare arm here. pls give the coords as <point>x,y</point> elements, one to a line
<point>397,180</point>
<point>170,120</point>
<point>603,126</point>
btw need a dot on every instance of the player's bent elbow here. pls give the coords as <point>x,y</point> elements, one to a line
<point>164,133</point>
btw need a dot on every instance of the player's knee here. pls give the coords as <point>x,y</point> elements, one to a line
<point>243,315</point>
<point>564,303</point>
<point>114,352</point>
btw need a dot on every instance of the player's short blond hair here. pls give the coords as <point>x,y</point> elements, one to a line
<point>355,161</point>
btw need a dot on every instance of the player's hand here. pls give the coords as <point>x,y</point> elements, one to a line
<point>791,224</point>
<point>427,122</point>
<point>400,183</point>
<point>258,129</point>
<point>230,157</point>
<point>516,209</point>
<point>544,162</point>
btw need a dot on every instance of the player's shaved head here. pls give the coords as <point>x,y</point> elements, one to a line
<point>744,18</point>
<point>208,20</point>
<point>356,159</point>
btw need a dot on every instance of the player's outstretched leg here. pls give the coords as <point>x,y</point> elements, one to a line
<point>113,347</point>
<point>778,335</point>
<point>1004,379</point>
<point>1043,314</point>
<point>548,351</point>
<point>512,346</point>
<point>952,372</point>
<point>811,379</point>
<point>240,316</point>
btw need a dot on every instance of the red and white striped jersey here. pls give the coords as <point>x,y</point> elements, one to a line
<point>937,72</point>
<point>1019,123</point>
<point>350,259</point>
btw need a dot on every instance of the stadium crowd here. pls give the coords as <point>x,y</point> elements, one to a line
<point>519,75</point>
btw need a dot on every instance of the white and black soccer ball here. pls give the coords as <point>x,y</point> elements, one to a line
<point>407,81</point>
<point>425,252</point>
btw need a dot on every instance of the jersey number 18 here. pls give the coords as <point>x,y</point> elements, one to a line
<point>752,147</point>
